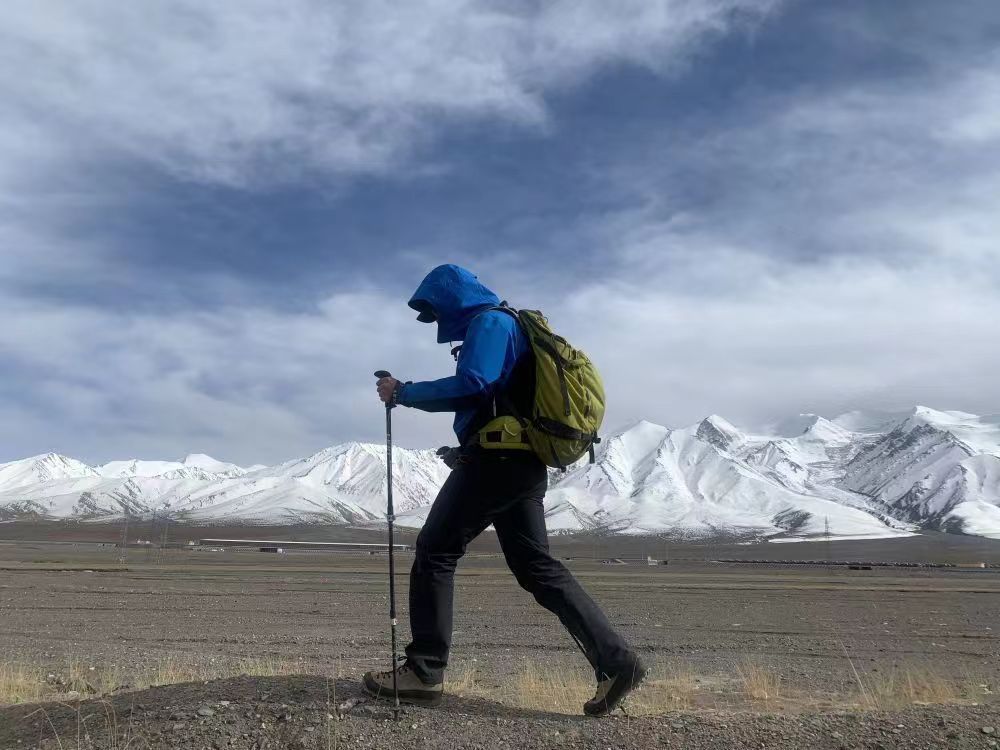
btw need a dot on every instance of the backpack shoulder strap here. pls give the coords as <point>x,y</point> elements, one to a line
<point>504,307</point>
<point>502,397</point>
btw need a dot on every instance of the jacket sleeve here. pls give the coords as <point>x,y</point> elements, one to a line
<point>488,346</point>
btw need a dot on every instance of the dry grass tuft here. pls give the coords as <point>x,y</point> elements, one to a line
<point>559,687</point>
<point>672,690</point>
<point>464,682</point>
<point>20,683</point>
<point>759,683</point>
<point>562,689</point>
<point>558,690</point>
<point>171,671</point>
<point>109,731</point>
<point>914,685</point>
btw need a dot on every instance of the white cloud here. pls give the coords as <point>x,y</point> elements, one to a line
<point>847,256</point>
<point>254,385</point>
<point>246,94</point>
<point>823,338</point>
<point>245,383</point>
<point>251,91</point>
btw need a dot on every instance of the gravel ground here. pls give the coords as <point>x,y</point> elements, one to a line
<point>309,712</point>
<point>62,603</point>
<point>329,611</point>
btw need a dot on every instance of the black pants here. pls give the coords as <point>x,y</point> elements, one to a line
<point>507,491</point>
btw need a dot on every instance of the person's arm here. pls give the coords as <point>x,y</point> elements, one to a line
<point>487,346</point>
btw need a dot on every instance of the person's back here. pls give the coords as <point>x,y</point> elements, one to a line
<point>496,479</point>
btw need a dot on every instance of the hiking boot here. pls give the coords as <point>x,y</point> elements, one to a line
<point>411,688</point>
<point>613,689</point>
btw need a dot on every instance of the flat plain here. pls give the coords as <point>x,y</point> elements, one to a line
<point>814,653</point>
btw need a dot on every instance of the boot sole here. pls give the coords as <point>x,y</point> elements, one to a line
<point>618,694</point>
<point>409,697</point>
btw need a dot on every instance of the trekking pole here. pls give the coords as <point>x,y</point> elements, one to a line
<point>390,517</point>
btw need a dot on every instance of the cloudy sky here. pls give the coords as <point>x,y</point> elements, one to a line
<point>212,214</point>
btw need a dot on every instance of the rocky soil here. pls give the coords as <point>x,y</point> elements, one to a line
<point>810,627</point>
<point>329,613</point>
<point>312,712</point>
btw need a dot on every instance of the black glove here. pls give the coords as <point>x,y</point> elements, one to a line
<point>450,456</point>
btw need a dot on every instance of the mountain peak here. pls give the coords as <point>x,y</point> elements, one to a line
<point>720,432</point>
<point>720,423</point>
<point>642,430</point>
<point>800,424</point>
<point>980,435</point>
<point>196,459</point>
<point>51,458</point>
<point>44,467</point>
<point>942,418</point>
<point>207,463</point>
<point>644,424</point>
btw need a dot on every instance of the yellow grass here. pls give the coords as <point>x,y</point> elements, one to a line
<point>752,684</point>
<point>561,689</point>
<point>759,683</point>
<point>915,685</point>
<point>557,688</point>
<point>21,683</point>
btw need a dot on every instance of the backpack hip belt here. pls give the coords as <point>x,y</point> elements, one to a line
<point>502,433</point>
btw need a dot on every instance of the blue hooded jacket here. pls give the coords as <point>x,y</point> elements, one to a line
<point>493,342</point>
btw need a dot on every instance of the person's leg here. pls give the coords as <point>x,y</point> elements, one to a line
<point>457,516</point>
<point>474,495</point>
<point>523,538</point>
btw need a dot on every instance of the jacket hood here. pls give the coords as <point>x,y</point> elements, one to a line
<point>455,296</point>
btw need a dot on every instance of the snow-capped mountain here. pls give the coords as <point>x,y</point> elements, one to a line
<point>860,475</point>
<point>937,469</point>
<point>195,466</point>
<point>40,469</point>
<point>706,480</point>
<point>342,484</point>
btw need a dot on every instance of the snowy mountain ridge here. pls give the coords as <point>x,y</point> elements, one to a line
<point>860,475</point>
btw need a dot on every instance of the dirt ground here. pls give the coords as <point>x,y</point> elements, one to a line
<point>301,713</point>
<point>820,631</point>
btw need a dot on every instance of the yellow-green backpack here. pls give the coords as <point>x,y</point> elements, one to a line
<point>568,407</point>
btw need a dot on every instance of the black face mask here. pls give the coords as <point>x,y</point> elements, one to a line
<point>427,314</point>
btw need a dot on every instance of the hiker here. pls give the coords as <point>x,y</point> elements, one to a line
<point>496,479</point>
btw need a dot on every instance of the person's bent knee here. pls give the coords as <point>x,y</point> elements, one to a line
<point>536,573</point>
<point>432,553</point>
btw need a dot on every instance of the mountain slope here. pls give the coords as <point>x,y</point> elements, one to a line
<point>936,469</point>
<point>649,479</point>
<point>39,469</point>
<point>859,475</point>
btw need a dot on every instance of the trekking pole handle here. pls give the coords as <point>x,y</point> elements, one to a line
<point>384,374</point>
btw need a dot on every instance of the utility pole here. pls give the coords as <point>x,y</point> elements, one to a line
<point>164,537</point>
<point>829,554</point>
<point>123,556</point>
